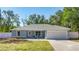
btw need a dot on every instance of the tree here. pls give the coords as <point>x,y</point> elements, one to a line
<point>56,19</point>
<point>71,18</point>
<point>53,20</point>
<point>24,22</point>
<point>0,13</point>
<point>8,20</point>
<point>16,20</point>
<point>35,19</point>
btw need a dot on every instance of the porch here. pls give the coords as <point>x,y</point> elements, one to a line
<point>35,34</point>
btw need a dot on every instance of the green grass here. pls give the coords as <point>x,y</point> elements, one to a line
<point>25,46</point>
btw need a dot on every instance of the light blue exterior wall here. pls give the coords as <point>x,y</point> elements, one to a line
<point>23,33</point>
<point>14,33</point>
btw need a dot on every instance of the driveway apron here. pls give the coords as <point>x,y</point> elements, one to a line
<point>64,45</point>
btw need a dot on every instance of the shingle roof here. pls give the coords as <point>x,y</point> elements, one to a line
<point>41,27</point>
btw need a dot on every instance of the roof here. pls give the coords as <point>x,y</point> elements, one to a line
<point>41,27</point>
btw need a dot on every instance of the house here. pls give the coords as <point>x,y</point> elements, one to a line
<point>37,31</point>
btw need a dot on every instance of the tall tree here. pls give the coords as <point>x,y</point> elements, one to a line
<point>35,19</point>
<point>71,18</point>
<point>0,13</point>
<point>56,19</point>
<point>16,20</point>
<point>8,20</point>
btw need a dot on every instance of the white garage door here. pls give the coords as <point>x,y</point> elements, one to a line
<point>57,34</point>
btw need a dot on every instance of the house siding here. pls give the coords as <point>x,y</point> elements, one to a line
<point>22,33</point>
<point>14,33</point>
<point>48,34</point>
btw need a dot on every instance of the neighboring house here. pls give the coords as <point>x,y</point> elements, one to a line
<point>41,31</point>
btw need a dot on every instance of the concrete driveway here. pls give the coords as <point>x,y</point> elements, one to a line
<point>64,45</point>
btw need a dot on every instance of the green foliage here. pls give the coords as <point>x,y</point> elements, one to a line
<point>56,19</point>
<point>35,19</point>
<point>71,18</point>
<point>8,21</point>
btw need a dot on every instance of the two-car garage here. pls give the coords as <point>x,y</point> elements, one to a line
<point>57,34</point>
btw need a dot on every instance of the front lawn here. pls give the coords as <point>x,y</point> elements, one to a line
<point>24,45</point>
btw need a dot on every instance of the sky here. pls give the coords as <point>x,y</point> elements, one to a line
<point>24,12</point>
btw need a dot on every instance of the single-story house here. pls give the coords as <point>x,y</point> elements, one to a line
<point>37,31</point>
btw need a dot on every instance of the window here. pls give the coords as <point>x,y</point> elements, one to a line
<point>18,33</point>
<point>37,33</point>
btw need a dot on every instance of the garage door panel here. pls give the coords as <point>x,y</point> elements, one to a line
<point>57,34</point>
